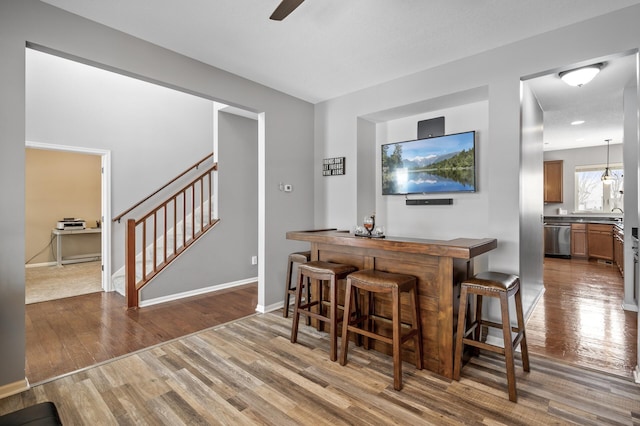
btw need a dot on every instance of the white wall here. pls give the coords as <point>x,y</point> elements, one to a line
<point>437,221</point>
<point>571,158</point>
<point>500,71</point>
<point>531,201</point>
<point>631,164</point>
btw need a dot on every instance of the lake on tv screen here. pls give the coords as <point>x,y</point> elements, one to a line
<point>427,182</point>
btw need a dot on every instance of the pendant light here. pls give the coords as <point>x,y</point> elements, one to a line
<point>607,177</point>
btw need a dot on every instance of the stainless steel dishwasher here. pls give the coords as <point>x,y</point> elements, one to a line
<point>557,239</point>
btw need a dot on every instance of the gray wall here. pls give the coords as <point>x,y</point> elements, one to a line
<point>228,247</point>
<point>288,144</point>
<point>154,133</point>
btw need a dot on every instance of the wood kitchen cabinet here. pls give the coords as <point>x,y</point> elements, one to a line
<point>579,246</point>
<point>618,248</point>
<point>600,241</point>
<point>553,181</point>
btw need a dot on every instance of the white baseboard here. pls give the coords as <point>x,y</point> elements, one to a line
<point>273,307</point>
<point>177,296</point>
<point>632,307</point>
<point>38,265</point>
<point>14,388</point>
<point>636,374</point>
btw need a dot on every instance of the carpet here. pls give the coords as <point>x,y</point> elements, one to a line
<point>52,282</point>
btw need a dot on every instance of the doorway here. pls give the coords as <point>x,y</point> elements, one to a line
<point>67,236</point>
<point>576,123</point>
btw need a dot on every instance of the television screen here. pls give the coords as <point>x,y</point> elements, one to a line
<point>427,166</point>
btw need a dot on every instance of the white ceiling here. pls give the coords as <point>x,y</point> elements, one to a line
<point>599,104</point>
<point>327,48</point>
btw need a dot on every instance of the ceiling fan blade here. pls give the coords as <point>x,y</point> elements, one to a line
<point>284,9</point>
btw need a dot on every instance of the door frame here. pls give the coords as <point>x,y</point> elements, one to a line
<point>105,196</point>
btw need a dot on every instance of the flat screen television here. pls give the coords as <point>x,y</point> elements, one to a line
<point>441,164</point>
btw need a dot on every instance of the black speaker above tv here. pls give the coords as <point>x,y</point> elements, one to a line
<point>431,128</point>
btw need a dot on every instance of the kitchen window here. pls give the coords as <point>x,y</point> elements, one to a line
<point>593,195</point>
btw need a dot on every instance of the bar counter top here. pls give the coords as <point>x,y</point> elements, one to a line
<point>458,248</point>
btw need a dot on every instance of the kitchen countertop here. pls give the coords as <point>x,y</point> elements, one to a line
<point>612,220</point>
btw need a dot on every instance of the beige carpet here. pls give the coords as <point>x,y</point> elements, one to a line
<point>53,282</point>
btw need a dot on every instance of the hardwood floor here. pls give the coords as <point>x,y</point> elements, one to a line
<point>76,332</point>
<point>580,319</point>
<point>247,372</point>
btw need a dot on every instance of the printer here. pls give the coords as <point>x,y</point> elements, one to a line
<point>70,223</point>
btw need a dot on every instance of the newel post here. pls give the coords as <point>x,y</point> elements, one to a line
<point>130,265</point>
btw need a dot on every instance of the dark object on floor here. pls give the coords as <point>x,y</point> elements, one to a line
<point>42,414</point>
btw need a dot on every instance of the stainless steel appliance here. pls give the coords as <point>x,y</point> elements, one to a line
<point>557,239</point>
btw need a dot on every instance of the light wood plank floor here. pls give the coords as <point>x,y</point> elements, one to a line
<point>579,320</point>
<point>247,372</point>
<point>149,387</point>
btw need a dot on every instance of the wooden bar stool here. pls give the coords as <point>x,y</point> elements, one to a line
<point>299,257</point>
<point>316,272</point>
<point>378,282</point>
<point>501,286</point>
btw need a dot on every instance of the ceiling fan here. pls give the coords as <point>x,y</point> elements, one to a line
<point>284,9</point>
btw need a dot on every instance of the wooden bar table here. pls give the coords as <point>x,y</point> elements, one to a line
<point>439,266</point>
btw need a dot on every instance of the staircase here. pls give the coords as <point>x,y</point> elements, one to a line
<point>175,242</point>
<point>166,231</point>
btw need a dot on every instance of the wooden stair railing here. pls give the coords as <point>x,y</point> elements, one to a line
<point>184,217</point>
<point>157,191</point>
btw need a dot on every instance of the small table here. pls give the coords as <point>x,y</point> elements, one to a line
<point>59,233</point>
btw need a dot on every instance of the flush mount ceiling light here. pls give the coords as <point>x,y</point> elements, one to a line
<point>577,122</point>
<point>581,76</point>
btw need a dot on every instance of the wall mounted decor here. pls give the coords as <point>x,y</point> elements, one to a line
<point>333,166</point>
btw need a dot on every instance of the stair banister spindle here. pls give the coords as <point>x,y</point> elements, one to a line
<point>210,196</point>
<point>175,225</point>
<point>144,249</point>
<point>193,210</point>
<point>164,234</point>
<point>155,240</point>
<point>201,204</point>
<point>184,218</point>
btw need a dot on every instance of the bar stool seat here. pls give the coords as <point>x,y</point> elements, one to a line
<point>299,257</point>
<point>378,282</point>
<point>315,273</point>
<point>501,286</point>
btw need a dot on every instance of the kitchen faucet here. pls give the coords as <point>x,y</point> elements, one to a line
<point>617,208</point>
